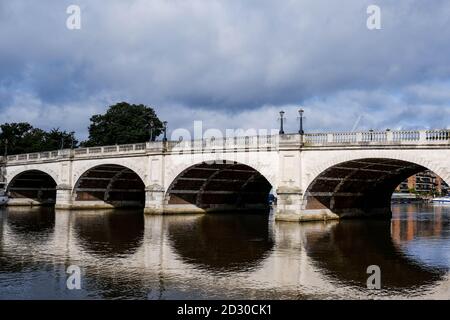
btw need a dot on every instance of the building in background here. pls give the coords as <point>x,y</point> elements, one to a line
<point>425,183</point>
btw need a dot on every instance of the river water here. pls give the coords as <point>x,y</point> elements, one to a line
<point>126,255</point>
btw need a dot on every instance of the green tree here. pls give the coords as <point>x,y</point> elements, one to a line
<point>17,136</point>
<point>55,139</point>
<point>24,138</point>
<point>123,123</point>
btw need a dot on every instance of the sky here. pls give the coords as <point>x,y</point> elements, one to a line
<point>231,64</point>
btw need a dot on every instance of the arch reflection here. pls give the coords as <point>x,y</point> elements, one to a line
<point>31,224</point>
<point>109,232</point>
<point>2,220</point>
<point>222,242</point>
<point>349,247</point>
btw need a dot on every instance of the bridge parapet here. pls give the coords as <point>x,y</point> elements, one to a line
<point>228,143</point>
<point>244,143</point>
<point>404,137</point>
<point>110,150</point>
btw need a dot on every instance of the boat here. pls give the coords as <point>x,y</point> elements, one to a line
<point>445,200</point>
<point>3,198</point>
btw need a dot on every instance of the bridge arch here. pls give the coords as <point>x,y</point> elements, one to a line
<point>363,186</point>
<point>32,187</point>
<point>266,163</point>
<point>218,185</point>
<point>137,165</point>
<point>13,172</point>
<point>108,186</point>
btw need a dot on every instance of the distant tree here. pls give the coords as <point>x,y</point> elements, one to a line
<point>24,138</point>
<point>55,139</point>
<point>18,136</point>
<point>123,123</point>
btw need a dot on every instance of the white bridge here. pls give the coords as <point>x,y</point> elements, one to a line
<point>315,176</point>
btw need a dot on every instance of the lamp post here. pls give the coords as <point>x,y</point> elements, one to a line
<point>72,138</point>
<point>151,131</point>
<point>165,131</point>
<point>300,113</point>
<point>6,148</point>
<point>281,122</point>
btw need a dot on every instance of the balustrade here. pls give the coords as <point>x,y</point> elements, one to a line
<point>247,143</point>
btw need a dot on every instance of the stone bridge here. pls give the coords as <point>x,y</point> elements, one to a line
<point>315,176</point>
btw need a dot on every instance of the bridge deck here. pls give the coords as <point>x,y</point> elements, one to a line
<point>405,138</point>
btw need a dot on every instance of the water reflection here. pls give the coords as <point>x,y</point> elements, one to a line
<point>2,219</point>
<point>124,254</point>
<point>28,229</point>
<point>424,237</point>
<point>222,242</point>
<point>36,224</point>
<point>346,251</point>
<point>109,232</point>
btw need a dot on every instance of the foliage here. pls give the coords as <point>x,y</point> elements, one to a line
<point>123,123</point>
<point>24,138</point>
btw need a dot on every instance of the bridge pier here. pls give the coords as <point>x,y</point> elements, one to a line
<point>63,197</point>
<point>290,207</point>
<point>154,199</point>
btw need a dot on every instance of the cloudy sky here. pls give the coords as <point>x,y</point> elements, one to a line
<point>232,64</point>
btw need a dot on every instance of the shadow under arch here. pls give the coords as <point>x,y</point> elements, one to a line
<point>347,248</point>
<point>222,242</point>
<point>359,188</point>
<point>219,186</point>
<point>108,186</point>
<point>109,233</point>
<point>32,187</point>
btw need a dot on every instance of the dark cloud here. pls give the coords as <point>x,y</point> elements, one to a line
<point>226,61</point>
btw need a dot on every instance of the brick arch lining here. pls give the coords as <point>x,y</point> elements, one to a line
<point>219,184</point>
<point>112,184</point>
<point>359,186</point>
<point>34,185</point>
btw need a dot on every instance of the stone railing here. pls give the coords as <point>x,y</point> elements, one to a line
<point>228,143</point>
<point>379,137</point>
<point>205,145</point>
<point>244,143</point>
<point>109,150</point>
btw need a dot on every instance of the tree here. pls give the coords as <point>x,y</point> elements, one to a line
<point>55,139</point>
<point>123,123</point>
<point>24,138</point>
<point>16,136</point>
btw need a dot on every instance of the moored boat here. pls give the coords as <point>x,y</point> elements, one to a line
<point>445,200</point>
<point>3,199</point>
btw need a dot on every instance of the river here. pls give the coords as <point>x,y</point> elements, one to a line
<point>124,254</point>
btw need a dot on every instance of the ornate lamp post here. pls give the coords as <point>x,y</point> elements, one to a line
<point>281,122</point>
<point>6,148</point>
<point>72,138</point>
<point>300,113</point>
<point>151,131</point>
<point>165,131</point>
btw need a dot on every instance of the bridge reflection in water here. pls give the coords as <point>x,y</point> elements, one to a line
<point>124,254</point>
